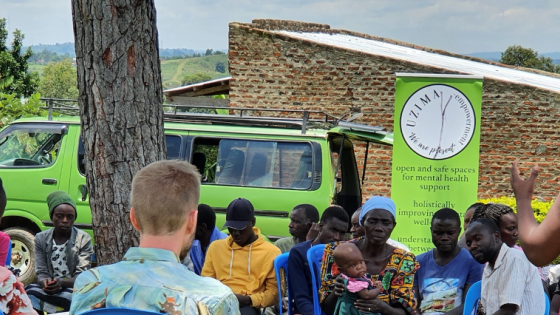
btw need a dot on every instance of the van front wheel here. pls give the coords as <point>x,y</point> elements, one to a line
<point>23,253</point>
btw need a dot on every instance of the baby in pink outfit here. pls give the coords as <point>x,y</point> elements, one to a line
<point>352,267</point>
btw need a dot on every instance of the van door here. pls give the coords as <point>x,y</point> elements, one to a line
<point>31,161</point>
<point>78,189</point>
<point>347,189</point>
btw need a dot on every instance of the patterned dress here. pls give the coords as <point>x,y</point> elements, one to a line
<point>345,304</point>
<point>13,300</point>
<point>397,277</point>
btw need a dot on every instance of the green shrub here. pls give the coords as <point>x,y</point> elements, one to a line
<point>540,208</point>
<point>13,107</point>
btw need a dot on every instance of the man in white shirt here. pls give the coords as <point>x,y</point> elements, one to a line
<point>510,283</point>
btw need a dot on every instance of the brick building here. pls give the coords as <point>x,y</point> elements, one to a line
<point>296,65</point>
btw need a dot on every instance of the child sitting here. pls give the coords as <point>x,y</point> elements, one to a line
<point>350,263</point>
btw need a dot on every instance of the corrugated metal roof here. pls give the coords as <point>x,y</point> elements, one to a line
<point>197,86</point>
<point>431,59</point>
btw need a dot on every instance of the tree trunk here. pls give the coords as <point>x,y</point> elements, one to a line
<point>120,99</point>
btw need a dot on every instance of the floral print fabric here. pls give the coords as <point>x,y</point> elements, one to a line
<point>154,280</point>
<point>397,277</point>
<point>13,300</point>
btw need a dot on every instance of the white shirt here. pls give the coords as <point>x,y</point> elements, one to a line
<point>513,280</point>
<point>58,260</point>
<point>397,245</point>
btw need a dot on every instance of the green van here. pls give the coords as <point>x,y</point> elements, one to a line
<point>274,161</point>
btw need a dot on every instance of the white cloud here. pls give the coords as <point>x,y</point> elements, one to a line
<point>461,26</point>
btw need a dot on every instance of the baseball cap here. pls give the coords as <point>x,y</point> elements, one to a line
<point>239,213</point>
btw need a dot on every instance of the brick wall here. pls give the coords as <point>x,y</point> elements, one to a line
<point>276,71</point>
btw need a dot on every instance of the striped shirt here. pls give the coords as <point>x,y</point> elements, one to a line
<point>513,280</point>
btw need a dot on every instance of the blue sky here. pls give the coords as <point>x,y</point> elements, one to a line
<point>461,26</point>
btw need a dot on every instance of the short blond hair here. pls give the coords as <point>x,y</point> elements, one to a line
<point>163,194</point>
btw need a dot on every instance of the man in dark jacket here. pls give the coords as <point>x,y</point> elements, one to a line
<point>333,225</point>
<point>61,254</point>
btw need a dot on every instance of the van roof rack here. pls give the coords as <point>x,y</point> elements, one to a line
<point>238,116</point>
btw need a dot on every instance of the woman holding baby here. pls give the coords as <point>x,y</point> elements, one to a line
<point>367,275</point>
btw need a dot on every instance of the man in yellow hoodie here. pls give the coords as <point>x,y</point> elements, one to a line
<point>250,271</point>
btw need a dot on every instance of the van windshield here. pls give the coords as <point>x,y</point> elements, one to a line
<point>26,147</point>
<point>254,163</point>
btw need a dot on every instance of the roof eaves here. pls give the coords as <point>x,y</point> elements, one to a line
<point>191,87</point>
<point>254,27</point>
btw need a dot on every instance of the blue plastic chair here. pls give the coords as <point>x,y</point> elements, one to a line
<point>9,257</point>
<point>470,306</point>
<point>119,311</point>
<point>281,262</point>
<point>546,305</point>
<point>314,257</point>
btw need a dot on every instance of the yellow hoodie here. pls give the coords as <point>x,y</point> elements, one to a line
<point>245,270</point>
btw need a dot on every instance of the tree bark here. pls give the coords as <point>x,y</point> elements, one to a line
<point>120,97</point>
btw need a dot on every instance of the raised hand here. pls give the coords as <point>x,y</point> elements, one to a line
<point>523,188</point>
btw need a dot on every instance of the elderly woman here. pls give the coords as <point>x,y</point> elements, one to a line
<point>61,254</point>
<point>394,267</point>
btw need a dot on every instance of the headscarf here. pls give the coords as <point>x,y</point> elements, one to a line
<point>56,198</point>
<point>378,202</point>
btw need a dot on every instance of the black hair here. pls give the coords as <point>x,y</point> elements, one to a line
<point>335,212</point>
<point>492,211</point>
<point>476,205</point>
<point>207,216</point>
<point>488,224</point>
<point>3,199</point>
<point>446,214</point>
<point>311,213</point>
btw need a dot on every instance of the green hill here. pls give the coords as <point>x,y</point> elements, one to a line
<point>172,71</point>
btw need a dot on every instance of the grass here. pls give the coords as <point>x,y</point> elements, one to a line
<point>173,71</point>
<point>35,67</point>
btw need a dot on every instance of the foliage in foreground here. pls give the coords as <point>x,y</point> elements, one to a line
<point>14,77</point>
<point>13,107</point>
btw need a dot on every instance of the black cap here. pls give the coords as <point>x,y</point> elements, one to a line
<point>239,213</point>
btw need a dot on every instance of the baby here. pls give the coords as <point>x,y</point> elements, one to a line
<point>350,263</point>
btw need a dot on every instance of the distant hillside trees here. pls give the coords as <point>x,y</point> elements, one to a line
<point>526,57</point>
<point>220,67</point>
<point>195,78</point>
<point>59,80</point>
<point>47,56</point>
<point>209,52</point>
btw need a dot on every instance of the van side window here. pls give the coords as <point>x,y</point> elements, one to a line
<point>254,163</point>
<point>81,157</point>
<point>173,145</point>
<point>29,147</point>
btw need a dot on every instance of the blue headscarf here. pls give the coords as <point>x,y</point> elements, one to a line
<point>378,202</point>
